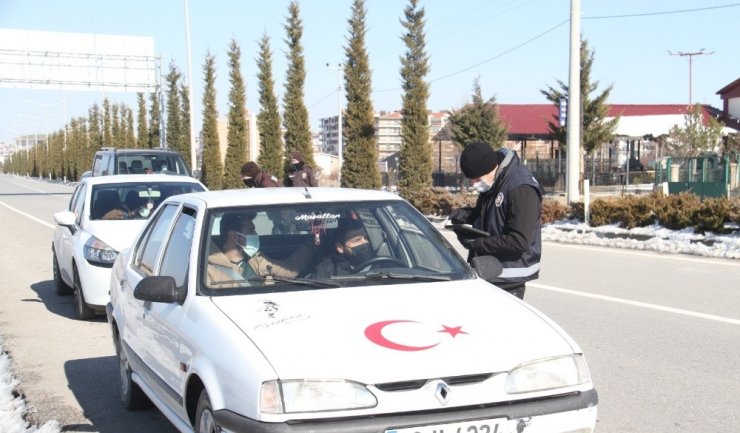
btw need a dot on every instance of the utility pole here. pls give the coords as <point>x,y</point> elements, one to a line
<point>339,68</point>
<point>690,55</point>
<point>193,154</point>
<point>574,105</point>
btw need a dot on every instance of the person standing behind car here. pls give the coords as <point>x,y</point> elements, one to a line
<point>508,208</point>
<point>254,177</point>
<point>299,174</point>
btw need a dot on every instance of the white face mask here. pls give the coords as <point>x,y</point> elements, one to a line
<point>249,243</point>
<point>482,186</point>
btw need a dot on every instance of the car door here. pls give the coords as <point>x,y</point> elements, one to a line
<point>164,320</point>
<point>143,262</point>
<point>65,243</point>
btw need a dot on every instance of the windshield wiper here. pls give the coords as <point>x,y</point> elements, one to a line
<point>380,275</point>
<point>297,281</point>
<point>220,283</point>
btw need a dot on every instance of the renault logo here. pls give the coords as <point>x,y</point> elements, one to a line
<point>442,393</point>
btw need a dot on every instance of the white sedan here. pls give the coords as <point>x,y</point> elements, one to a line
<point>103,217</point>
<point>331,310</point>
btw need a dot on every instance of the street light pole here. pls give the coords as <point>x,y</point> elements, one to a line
<point>190,92</point>
<point>690,55</point>
<point>339,120</point>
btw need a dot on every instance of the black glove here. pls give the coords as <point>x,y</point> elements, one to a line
<point>469,243</point>
<point>460,215</point>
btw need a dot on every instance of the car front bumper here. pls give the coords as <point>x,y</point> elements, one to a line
<point>573,413</point>
<point>95,282</point>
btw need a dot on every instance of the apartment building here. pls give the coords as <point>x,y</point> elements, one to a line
<point>387,131</point>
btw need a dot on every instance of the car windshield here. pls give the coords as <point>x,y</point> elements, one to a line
<point>260,249</point>
<point>135,200</point>
<point>151,162</point>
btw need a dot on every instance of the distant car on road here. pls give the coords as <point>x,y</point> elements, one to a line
<point>103,217</point>
<point>109,161</point>
<point>221,317</point>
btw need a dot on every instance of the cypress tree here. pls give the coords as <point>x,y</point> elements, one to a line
<point>107,135</point>
<point>173,130</point>
<point>478,121</point>
<point>94,132</point>
<point>236,149</point>
<point>142,133</point>
<point>115,128</point>
<point>268,120</point>
<point>360,155</point>
<point>415,159</point>
<point>155,121</point>
<point>212,170</point>
<point>185,125</point>
<point>295,113</point>
<point>129,135</point>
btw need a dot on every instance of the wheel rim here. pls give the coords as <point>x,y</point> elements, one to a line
<point>207,423</point>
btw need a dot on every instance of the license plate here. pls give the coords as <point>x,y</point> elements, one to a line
<point>481,426</point>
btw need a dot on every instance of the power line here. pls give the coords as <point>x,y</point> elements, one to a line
<point>603,17</point>
<point>516,47</point>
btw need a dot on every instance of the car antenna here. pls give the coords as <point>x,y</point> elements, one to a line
<point>306,194</point>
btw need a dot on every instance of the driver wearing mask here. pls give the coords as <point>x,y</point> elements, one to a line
<point>238,255</point>
<point>351,250</point>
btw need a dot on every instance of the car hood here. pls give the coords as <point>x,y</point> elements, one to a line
<point>118,234</point>
<point>388,333</point>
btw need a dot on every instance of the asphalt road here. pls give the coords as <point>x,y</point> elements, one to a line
<point>661,332</point>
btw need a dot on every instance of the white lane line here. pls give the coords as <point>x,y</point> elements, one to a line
<point>51,226</point>
<point>670,256</point>
<point>638,304</point>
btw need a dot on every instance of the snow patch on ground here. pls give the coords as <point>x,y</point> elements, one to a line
<point>12,407</point>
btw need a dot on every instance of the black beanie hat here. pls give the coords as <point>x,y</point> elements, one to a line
<point>477,159</point>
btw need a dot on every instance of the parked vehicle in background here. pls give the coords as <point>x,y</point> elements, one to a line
<point>109,161</point>
<point>103,217</point>
<point>403,338</point>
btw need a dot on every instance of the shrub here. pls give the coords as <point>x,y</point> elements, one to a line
<point>712,215</point>
<point>438,201</point>
<point>553,210</point>
<point>676,212</point>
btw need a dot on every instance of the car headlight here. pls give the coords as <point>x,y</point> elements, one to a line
<point>314,395</point>
<point>545,374</point>
<point>98,252</point>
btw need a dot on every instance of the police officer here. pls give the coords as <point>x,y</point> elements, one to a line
<point>508,208</point>
<point>254,177</point>
<point>299,174</point>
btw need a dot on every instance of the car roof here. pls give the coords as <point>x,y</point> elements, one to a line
<point>141,151</point>
<point>287,195</point>
<point>138,178</point>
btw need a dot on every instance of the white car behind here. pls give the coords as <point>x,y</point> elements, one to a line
<point>408,341</point>
<point>102,218</point>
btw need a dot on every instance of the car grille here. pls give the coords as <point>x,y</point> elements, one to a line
<point>416,384</point>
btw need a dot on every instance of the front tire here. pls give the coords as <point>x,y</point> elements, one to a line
<point>132,396</point>
<point>82,310</point>
<point>205,422</point>
<point>60,287</point>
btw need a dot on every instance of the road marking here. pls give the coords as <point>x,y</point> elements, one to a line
<point>51,226</point>
<point>638,304</point>
<point>670,256</point>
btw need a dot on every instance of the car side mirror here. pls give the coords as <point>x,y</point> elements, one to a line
<point>158,289</point>
<point>197,174</point>
<point>65,218</point>
<point>487,267</point>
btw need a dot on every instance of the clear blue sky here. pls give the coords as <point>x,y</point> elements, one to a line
<point>501,41</point>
